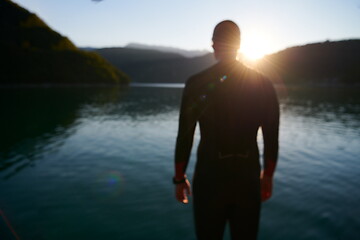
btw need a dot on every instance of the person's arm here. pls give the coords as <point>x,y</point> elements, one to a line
<point>187,124</point>
<point>270,129</point>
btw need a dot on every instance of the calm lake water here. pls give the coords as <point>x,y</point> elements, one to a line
<point>85,163</point>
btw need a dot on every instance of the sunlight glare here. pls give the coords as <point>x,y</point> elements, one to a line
<point>254,46</point>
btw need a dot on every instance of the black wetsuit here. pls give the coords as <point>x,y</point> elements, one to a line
<point>230,102</point>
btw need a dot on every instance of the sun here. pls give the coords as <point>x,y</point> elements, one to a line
<point>252,53</point>
<point>254,46</point>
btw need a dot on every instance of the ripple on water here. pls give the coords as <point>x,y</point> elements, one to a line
<point>108,166</point>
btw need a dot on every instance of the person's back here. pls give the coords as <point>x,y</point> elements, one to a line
<point>230,102</point>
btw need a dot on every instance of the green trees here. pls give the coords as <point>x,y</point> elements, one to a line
<point>317,63</point>
<point>33,53</point>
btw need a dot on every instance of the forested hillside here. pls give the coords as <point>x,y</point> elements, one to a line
<point>319,63</point>
<point>144,65</point>
<point>32,53</point>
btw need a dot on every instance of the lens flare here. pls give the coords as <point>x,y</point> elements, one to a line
<point>223,78</point>
<point>110,184</point>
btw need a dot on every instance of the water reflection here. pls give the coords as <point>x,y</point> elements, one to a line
<point>90,148</point>
<point>324,104</point>
<point>138,103</point>
<point>38,120</point>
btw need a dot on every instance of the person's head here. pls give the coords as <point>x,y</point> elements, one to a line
<point>226,40</point>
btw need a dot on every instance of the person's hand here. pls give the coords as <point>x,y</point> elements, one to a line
<point>182,191</point>
<point>266,186</point>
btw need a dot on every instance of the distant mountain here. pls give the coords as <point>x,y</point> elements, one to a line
<point>32,53</point>
<point>317,63</point>
<point>182,52</point>
<point>125,56</point>
<point>144,65</point>
<point>168,70</point>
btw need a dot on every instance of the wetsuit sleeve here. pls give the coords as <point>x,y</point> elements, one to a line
<point>270,129</point>
<point>187,124</point>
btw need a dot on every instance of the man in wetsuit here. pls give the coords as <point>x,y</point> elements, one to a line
<point>230,102</point>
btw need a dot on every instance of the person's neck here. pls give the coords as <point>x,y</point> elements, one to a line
<point>227,59</point>
<point>230,59</point>
<point>221,57</point>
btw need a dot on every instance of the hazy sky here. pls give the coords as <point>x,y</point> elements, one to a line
<point>266,26</point>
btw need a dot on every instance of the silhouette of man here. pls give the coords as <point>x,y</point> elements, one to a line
<point>230,102</point>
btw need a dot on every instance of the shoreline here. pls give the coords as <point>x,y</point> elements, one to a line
<point>162,84</point>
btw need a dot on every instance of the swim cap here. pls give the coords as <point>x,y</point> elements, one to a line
<point>227,33</point>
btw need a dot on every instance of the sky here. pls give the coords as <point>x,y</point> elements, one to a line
<point>266,26</point>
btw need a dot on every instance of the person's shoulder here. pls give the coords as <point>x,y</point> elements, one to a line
<point>255,77</point>
<point>201,78</point>
<point>203,75</point>
<point>252,74</point>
